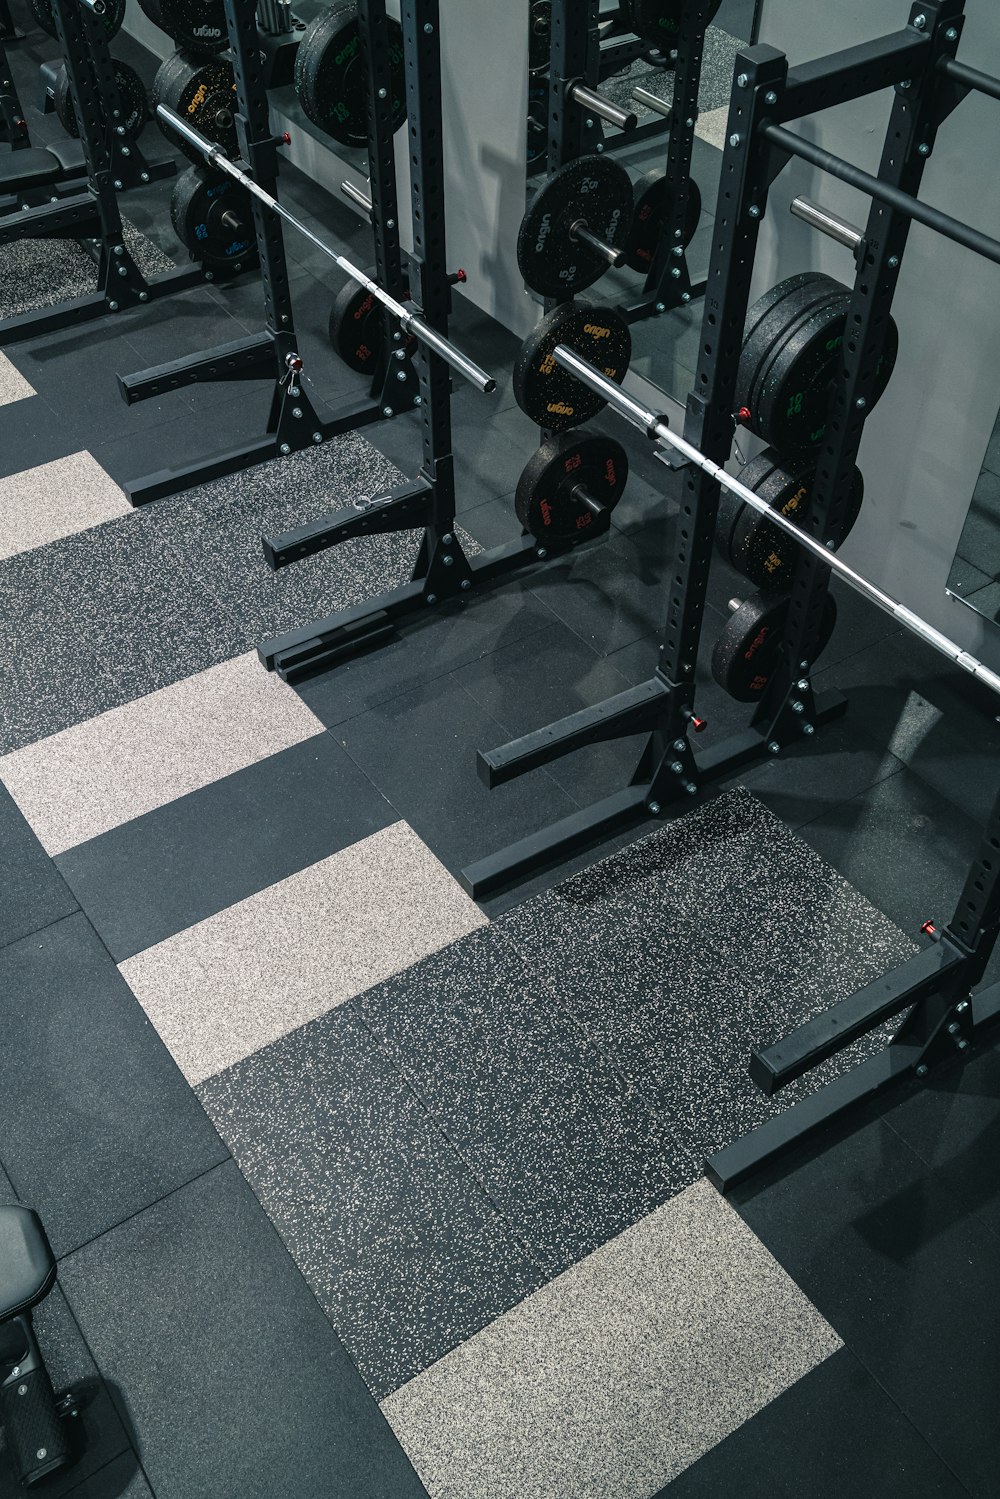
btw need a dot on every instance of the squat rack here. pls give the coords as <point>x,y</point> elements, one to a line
<point>935,986</point>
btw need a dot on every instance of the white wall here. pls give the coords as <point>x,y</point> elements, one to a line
<point>924,444</point>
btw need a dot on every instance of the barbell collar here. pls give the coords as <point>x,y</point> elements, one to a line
<point>356,196</point>
<point>595,103</point>
<point>97,6</point>
<point>651,102</point>
<point>611,253</point>
<point>657,428</point>
<point>820,218</point>
<point>411,322</point>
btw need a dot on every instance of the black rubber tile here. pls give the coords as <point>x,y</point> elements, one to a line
<point>99,1121</point>
<point>906,698</point>
<point>981,532</point>
<point>7,1193</point>
<point>488,449</point>
<point>611,592</point>
<point>32,892</point>
<point>121,1479</point>
<point>29,436</point>
<point>834,1432</point>
<point>160,873</point>
<point>900,845</point>
<point>493,523</point>
<point>951,1122</point>
<point>440,641</point>
<point>97,1434</point>
<point>420,751</point>
<point>814,775</point>
<point>405,1252</point>
<point>529,684</point>
<point>965,578</point>
<point>897,1265</point>
<point>248,1383</point>
<point>566,1148</point>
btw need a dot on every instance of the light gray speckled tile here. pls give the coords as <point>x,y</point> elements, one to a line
<point>56,499</point>
<point>75,785</point>
<point>13,385</point>
<point>405,1252</point>
<point>220,990</point>
<point>620,1373</point>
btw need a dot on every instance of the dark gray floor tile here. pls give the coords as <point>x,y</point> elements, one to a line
<point>229,1369</point>
<point>97,1434</point>
<point>813,776</point>
<point>901,847</point>
<point>865,1212</point>
<point>30,435</point>
<point>98,1120</point>
<point>486,1051</point>
<point>981,532</point>
<point>120,1479</point>
<point>610,593</point>
<point>32,892</point>
<point>440,641</point>
<point>404,1251</point>
<point>420,751</point>
<point>965,578</point>
<point>493,523</point>
<point>162,872</point>
<point>531,683</point>
<point>488,450</point>
<point>834,1432</point>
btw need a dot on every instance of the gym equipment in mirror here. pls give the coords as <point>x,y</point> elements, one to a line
<point>975,572</point>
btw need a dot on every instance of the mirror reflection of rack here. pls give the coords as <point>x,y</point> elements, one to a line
<point>975,572</point>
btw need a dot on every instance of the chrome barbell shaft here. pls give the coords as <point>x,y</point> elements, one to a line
<point>655,426</point>
<point>410,321</point>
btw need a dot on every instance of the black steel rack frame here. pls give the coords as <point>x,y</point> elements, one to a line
<point>918,63</point>
<point>112,166</point>
<point>442,571</point>
<point>292,422</point>
<point>13,125</point>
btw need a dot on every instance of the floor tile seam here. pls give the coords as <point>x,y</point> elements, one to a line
<point>935,1170</point>
<point>128,1447</point>
<point>845,802</point>
<point>37,931</point>
<point>148,1207</point>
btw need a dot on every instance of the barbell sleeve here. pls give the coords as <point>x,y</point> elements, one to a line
<point>410,321</point>
<point>656,426</point>
<point>597,104</point>
<point>650,101</point>
<point>820,218</point>
<point>611,253</point>
<point>356,196</point>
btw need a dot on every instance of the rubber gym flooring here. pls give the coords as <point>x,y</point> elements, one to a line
<point>357,1188</point>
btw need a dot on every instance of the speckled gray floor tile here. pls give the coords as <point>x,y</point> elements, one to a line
<point>56,499</point>
<point>43,272</point>
<point>80,783</point>
<point>95,620</point>
<point>620,1373</point>
<point>405,1252</point>
<point>13,385</point>
<point>716,75</point>
<point>222,989</point>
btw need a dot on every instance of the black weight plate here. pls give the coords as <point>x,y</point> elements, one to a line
<point>550,395</point>
<point>195,25</point>
<point>759,550</point>
<point>539,35</point>
<point>769,320</point>
<point>202,90</point>
<point>594,190</point>
<point>731,507</point>
<point>748,651</point>
<point>151,9</point>
<point>114,15</point>
<point>135,105</point>
<point>538,124</point>
<point>357,328</point>
<point>549,500</point>
<point>658,21</point>
<point>650,208</point>
<point>331,79</point>
<point>200,205</point>
<point>795,386</point>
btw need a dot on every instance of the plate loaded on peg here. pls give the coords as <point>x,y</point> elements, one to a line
<point>538,123</point>
<point>747,653</point>
<point>553,398</point>
<point>575,227</point>
<point>750,542</point>
<point>112,16</point>
<point>196,25</point>
<point>570,487</point>
<point>331,80</point>
<point>130,88</point>
<point>650,209</point>
<point>202,90</point>
<point>213,216</point>
<point>791,359</point>
<point>539,35</point>
<point>658,21</point>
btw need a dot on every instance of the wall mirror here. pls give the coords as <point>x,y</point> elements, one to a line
<point>975,572</point>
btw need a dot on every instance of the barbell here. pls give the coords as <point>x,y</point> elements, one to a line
<point>656,426</point>
<point>411,322</point>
